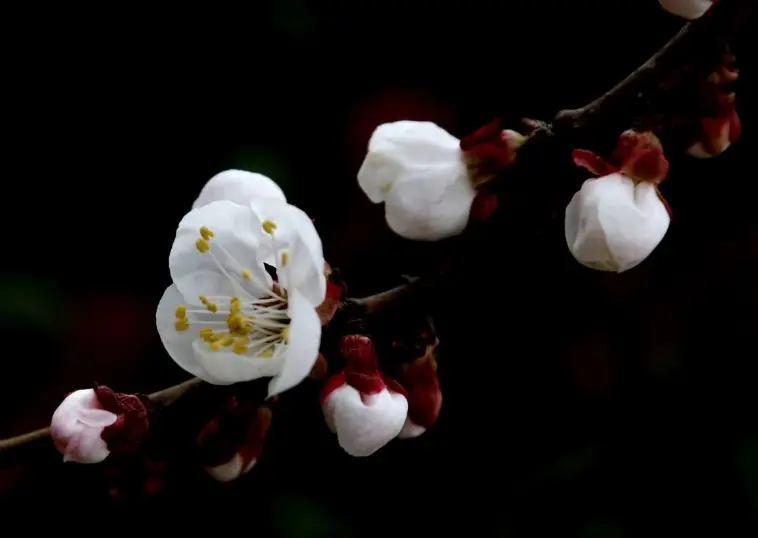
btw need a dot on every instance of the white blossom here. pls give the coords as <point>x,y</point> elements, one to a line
<point>418,171</point>
<point>687,9</point>
<point>240,187</point>
<point>224,319</point>
<point>613,223</point>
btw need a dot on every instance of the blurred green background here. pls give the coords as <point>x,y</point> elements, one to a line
<point>576,404</point>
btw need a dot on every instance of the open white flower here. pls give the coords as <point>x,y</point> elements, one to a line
<point>613,223</point>
<point>240,187</point>
<point>417,169</point>
<point>687,9</point>
<point>224,319</point>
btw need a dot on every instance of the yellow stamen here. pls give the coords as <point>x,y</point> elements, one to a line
<point>206,233</point>
<point>203,299</point>
<point>215,346</point>
<point>205,332</point>
<point>181,312</point>
<point>240,347</point>
<point>285,334</point>
<point>267,353</point>
<point>247,274</point>
<point>181,324</point>
<point>228,341</point>
<point>211,307</point>
<point>202,245</point>
<point>285,257</point>
<point>268,226</point>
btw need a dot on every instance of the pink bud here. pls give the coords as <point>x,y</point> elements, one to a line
<point>364,408</point>
<point>77,427</point>
<point>231,444</point>
<point>490,150</point>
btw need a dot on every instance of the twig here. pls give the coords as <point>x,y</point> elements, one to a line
<point>718,25</point>
<point>618,106</point>
<point>162,398</point>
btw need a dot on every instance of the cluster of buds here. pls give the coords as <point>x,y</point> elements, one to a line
<point>366,409</point>
<point>429,181</point>
<point>230,444</point>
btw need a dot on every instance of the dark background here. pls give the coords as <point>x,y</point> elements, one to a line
<point>576,403</point>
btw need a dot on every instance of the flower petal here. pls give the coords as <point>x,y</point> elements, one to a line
<point>613,225</point>
<point>178,344</point>
<point>431,206</point>
<point>364,424</point>
<point>303,345</point>
<point>687,9</point>
<point>636,226</point>
<point>402,147</point>
<point>296,234</point>
<point>225,367</point>
<point>238,186</point>
<point>410,430</point>
<point>234,247</point>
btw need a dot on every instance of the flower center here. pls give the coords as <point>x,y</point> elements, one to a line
<point>250,326</point>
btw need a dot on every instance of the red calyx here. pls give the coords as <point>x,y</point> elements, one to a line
<point>361,370</point>
<point>638,155</point>
<point>483,206</point>
<point>132,423</point>
<point>240,429</point>
<point>328,308</point>
<point>320,369</point>
<point>424,393</point>
<point>489,150</point>
<point>359,352</point>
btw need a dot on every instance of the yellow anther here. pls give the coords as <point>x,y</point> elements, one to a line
<point>202,245</point>
<point>206,332</point>
<point>211,307</point>
<point>181,312</point>
<point>206,233</point>
<point>285,333</point>
<point>228,341</point>
<point>239,348</point>
<point>215,346</point>
<point>247,274</point>
<point>216,337</point>
<point>181,324</point>
<point>268,226</point>
<point>203,299</point>
<point>235,305</point>
<point>285,257</point>
<point>267,353</point>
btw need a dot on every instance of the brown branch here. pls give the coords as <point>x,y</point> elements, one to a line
<point>162,398</point>
<point>619,105</point>
<point>622,103</point>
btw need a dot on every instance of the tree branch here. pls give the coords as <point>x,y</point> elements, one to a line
<point>162,398</point>
<point>622,103</point>
<point>619,106</point>
<point>615,109</point>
